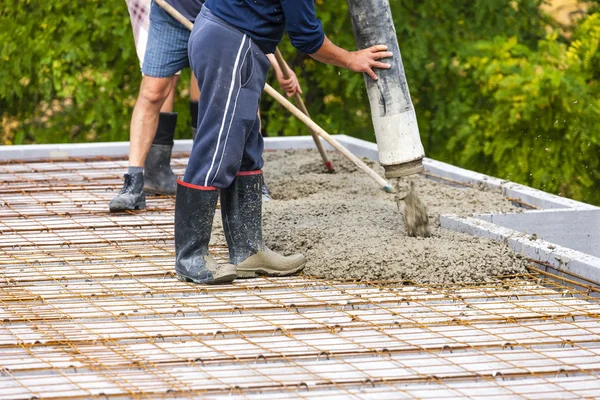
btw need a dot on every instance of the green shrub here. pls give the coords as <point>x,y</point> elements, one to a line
<point>69,71</point>
<point>533,114</point>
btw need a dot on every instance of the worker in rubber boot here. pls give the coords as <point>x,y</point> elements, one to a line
<point>227,54</point>
<point>163,45</point>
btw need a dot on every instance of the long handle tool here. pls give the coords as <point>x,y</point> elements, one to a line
<point>300,104</point>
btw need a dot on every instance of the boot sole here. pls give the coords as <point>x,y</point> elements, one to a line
<point>228,278</point>
<point>139,206</point>
<point>268,272</point>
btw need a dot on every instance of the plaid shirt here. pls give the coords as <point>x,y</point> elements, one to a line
<point>139,13</point>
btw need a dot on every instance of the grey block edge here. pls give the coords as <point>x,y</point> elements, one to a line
<point>535,197</point>
<point>559,257</point>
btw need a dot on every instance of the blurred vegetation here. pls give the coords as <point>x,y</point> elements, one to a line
<point>499,87</point>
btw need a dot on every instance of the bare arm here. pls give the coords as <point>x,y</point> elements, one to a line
<point>358,61</point>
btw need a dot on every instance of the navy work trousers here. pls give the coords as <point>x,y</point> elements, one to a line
<point>231,72</point>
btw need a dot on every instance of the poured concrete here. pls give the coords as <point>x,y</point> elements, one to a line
<point>347,227</point>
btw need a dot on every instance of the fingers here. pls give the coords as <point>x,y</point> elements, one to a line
<point>378,64</point>
<point>290,87</point>
<point>371,73</point>
<point>378,47</point>
<point>287,84</point>
<point>366,60</point>
<point>384,54</point>
<point>290,91</point>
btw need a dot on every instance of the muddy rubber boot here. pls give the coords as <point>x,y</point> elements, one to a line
<point>158,175</point>
<point>159,178</point>
<point>131,196</point>
<point>194,213</point>
<point>241,210</point>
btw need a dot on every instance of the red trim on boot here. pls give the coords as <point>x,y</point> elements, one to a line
<point>246,173</point>
<point>192,186</point>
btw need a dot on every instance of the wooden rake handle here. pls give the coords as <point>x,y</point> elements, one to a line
<point>300,104</point>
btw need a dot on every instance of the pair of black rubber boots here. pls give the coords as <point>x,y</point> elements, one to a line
<point>241,212</point>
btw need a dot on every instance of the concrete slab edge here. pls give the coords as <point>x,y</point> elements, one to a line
<point>558,257</point>
<point>490,216</point>
<point>523,193</point>
<point>360,147</point>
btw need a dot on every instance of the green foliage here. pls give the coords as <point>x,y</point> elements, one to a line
<point>533,113</point>
<point>493,90</point>
<point>69,71</point>
<point>65,70</point>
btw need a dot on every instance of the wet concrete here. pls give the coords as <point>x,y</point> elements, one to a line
<point>348,228</point>
<point>413,210</point>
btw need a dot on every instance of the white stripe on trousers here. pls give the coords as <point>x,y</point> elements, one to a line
<point>232,115</point>
<point>233,76</point>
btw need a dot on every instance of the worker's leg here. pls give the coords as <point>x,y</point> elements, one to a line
<point>166,54</point>
<point>169,102</point>
<point>144,121</point>
<point>241,211</point>
<point>159,178</point>
<point>158,175</point>
<point>227,152</point>
<point>197,194</point>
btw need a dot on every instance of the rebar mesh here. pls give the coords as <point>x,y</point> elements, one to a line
<point>89,308</point>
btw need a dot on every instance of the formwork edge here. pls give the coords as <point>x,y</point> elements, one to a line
<point>560,258</point>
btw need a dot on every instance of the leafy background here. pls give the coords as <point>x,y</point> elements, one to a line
<point>499,86</point>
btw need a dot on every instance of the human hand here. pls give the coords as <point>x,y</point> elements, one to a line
<point>365,60</point>
<point>290,86</point>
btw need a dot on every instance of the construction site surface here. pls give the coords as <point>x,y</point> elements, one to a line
<point>90,308</point>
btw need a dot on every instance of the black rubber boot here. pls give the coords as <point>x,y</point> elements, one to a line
<point>131,196</point>
<point>194,213</point>
<point>158,175</point>
<point>241,210</point>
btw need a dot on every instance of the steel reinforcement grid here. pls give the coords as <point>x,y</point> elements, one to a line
<point>89,308</point>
